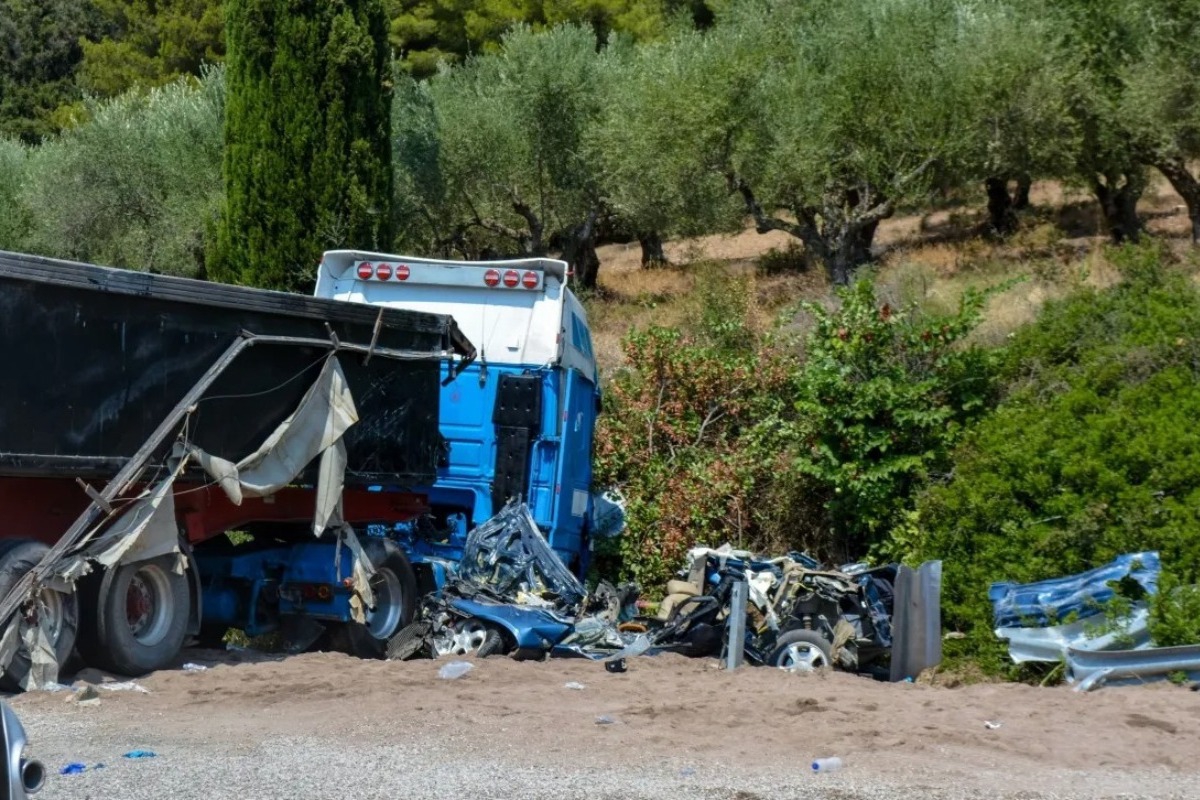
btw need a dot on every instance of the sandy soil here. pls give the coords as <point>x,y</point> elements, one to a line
<point>690,723</point>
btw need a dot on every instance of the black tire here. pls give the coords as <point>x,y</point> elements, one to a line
<point>493,644</point>
<point>409,642</point>
<point>802,649</point>
<point>134,616</point>
<point>17,557</point>
<point>395,580</point>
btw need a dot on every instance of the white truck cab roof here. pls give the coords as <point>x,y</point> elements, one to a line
<point>516,311</point>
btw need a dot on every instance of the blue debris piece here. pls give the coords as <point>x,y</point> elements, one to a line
<point>74,768</point>
<point>1048,602</point>
<point>141,754</point>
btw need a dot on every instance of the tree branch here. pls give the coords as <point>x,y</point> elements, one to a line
<point>762,222</point>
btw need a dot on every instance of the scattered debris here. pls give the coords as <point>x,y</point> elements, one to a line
<point>141,754</point>
<point>991,726</point>
<point>85,695</point>
<point>190,667</point>
<point>54,687</point>
<point>123,686</point>
<point>576,685</point>
<point>605,719</point>
<point>455,669</point>
<point>74,768</point>
<point>831,764</point>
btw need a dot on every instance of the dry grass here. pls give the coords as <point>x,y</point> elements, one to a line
<point>927,259</point>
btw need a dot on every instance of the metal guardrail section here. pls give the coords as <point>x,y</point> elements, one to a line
<point>917,620</point>
<point>1091,668</point>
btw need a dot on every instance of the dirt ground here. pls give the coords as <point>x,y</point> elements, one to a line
<point>303,726</point>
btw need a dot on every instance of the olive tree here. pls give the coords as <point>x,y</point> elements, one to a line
<point>1017,101</point>
<point>14,216</point>
<point>659,142</point>
<point>1100,38</point>
<point>136,186</point>
<point>1160,102</point>
<point>850,109</point>
<point>510,161</point>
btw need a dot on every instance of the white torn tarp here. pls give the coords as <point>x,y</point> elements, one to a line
<point>361,574</point>
<point>43,663</point>
<point>324,415</point>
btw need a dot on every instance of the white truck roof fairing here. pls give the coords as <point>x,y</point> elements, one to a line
<point>516,311</point>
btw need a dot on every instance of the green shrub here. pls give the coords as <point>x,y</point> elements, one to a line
<point>1094,450</point>
<point>724,434</point>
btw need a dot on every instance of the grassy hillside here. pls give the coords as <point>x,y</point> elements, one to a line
<point>930,259</point>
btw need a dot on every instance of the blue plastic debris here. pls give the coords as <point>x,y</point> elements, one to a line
<point>74,768</point>
<point>1048,602</point>
<point>141,754</point>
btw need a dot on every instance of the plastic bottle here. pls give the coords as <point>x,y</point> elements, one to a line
<point>455,669</point>
<point>826,764</point>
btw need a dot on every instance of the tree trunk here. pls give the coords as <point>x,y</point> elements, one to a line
<point>838,233</point>
<point>1020,201</point>
<point>1188,186</point>
<point>1118,198</point>
<point>847,250</point>
<point>652,250</point>
<point>579,251</point>
<point>1001,217</point>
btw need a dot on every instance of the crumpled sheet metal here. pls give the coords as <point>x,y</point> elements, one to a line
<point>508,555</point>
<point>1045,602</point>
<point>1089,669</point>
<point>1051,644</point>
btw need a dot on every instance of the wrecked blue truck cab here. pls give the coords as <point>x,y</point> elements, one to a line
<point>518,422</point>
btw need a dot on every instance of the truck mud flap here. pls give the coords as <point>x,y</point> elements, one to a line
<point>517,416</point>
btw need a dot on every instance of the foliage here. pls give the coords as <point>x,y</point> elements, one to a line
<point>657,143</point>
<point>133,187</point>
<point>883,396</point>
<point>14,216</point>
<point>40,52</point>
<point>307,138</point>
<point>427,32</point>
<point>721,433</point>
<point>1092,453</point>
<point>151,42</point>
<point>1175,613</point>
<point>508,173</point>
<point>678,435</point>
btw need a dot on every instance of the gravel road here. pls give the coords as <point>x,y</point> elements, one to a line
<point>327,726</point>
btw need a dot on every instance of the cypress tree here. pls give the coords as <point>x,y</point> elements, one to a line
<point>307,138</point>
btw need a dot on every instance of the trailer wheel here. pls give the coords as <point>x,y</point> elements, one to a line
<point>17,557</point>
<point>395,587</point>
<point>135,617</point>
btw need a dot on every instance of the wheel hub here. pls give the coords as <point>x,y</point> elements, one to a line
<point>802,657</point>
<point>462,640</point>
<point>383,619</point>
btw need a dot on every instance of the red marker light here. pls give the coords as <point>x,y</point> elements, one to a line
<point>365,271</point>
<point>383,272</point>
<point>401,272</point>
<point>511,278</point>
<point>529,280</point>
<point>491,277</point>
